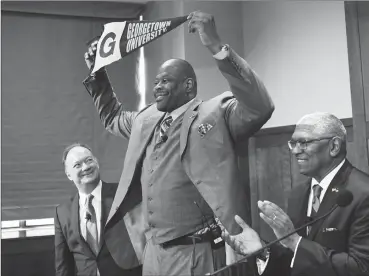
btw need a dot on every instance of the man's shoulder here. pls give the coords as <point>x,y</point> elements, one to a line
<point>359,181</point>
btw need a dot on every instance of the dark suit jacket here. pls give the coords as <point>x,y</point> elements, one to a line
<point>73,255</point>
<point>337,245</point>
<point>209,160</point>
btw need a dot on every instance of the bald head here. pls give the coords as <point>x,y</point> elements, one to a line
<point>179,67</point>
<point>322,124</point>
<point>175,85</point>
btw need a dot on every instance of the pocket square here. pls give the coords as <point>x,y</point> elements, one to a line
<point>332,229</point>
<point>204,128</point>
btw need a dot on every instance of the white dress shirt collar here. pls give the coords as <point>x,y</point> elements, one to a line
<point>326,180</point>
<point>177,112</point>
<point>96,193</point>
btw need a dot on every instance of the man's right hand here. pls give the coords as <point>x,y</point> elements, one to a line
<point>247,242</point>
<point>91,54</point>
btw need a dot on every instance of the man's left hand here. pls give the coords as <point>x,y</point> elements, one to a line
<point>204,24</point>
<point>281,224</point>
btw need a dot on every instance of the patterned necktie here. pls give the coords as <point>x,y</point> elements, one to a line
<point>91,225</point>
<point>165,124</point>
<point>317,189</point>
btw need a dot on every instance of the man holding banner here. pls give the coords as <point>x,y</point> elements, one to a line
<point>180,173</point>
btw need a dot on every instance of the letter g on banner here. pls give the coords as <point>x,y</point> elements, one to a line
<point>110,45</point>
<point>108,50</point>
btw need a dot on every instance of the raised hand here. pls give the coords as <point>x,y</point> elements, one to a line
<point>91,54</point>
<point>204,24</point>
<point>280,223</point>
<point>245,243</point>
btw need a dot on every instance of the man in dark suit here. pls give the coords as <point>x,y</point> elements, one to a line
<point>183,150</point>
<point>335,246</point>
<point>80,230</point>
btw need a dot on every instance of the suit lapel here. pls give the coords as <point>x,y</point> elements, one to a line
<point>107,197</point>
<point>75,225</point>
<point>188,118</point>
<point>338,182</point>
<point>147,131</point>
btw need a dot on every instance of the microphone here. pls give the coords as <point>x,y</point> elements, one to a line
<point>164,138</point>
<point>88,216</point>
<point>344,199</point>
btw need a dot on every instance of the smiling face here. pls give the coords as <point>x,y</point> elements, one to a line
<point>82,168</point>
<point>174,85</point>
<point>316,158</point>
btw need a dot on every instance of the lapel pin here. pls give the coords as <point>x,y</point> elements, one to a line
<point>335,190</point>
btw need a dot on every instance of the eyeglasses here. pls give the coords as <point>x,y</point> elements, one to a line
<point>304,143</point>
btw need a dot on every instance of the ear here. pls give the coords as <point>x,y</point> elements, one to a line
<point>188,85</point>
<point>68,175</point>
<point>335,146</point>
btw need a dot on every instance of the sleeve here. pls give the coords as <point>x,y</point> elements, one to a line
<point>312,257</point>
<point>279,261</point>
<point>252,105</point>
<point>112,114</point>
<point>64,260</point>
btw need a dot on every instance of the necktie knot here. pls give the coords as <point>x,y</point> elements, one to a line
<point>165,124</point>
<point>167,121</point>
<point>317,190</point>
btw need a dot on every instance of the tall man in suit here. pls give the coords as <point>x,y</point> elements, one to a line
<point>80,231</point>
<point>335,246</point>
<point>180,168</point>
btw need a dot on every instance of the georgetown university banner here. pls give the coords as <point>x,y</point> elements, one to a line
<point>122,38</point>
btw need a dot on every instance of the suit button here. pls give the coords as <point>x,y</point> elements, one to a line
<point>151,212</point>
<point>149,198</point>
<point>150,184</point>
<point>156,158</point>
<point>151,170</point>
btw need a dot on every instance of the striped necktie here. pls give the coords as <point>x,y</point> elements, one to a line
<point>91,225</point>
<point>165,124</point>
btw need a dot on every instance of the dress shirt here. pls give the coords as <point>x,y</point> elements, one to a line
<point>177,112</point>
<point>96,203</point>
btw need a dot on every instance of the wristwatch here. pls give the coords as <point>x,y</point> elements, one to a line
<point>223,53</point>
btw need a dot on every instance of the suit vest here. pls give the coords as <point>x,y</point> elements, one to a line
<point>168,194</point>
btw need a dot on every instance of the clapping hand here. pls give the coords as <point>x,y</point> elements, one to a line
<point>245,243</point>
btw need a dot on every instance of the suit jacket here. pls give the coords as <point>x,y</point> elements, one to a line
<point>209,159</point>
<point>335,246</point>
<point>73,255</point>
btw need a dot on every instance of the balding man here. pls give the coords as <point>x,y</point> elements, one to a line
<point>335,246</point>
<point>181,161</point>
<point>80,232</point>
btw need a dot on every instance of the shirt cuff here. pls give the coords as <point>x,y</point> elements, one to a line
<point>222,54</point>
<point>294,253</point>
<point>262,264</point>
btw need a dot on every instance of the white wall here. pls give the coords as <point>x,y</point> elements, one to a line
<point>300,51</point>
